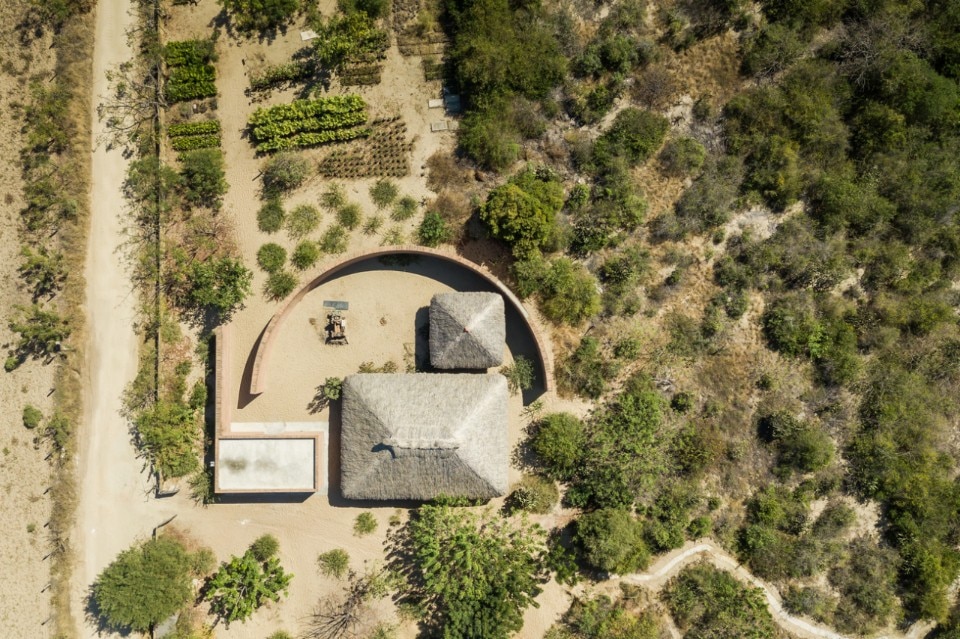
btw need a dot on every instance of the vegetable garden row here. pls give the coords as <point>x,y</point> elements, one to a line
<point>191,72</point>
<point>304,123</point>
<point>189,136</point>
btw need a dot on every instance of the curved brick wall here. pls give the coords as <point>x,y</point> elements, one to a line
<point>259,377</point>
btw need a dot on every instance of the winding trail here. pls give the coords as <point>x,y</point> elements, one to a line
<point>673,562</point>
<point>113,501</point>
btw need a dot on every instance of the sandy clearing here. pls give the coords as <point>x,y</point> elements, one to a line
<point>112,510</point>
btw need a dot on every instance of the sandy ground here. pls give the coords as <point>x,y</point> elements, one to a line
<point>113,509</point>
<point>24,474</point>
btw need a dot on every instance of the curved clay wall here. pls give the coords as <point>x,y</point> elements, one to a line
<point>259,378</point>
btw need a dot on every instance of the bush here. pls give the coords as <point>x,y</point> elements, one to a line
<point>283,173</point>
<point>790,327</point>
<point>204,181</point>
<point>260,15</point>
<point>333,563</point>
<point>332,388</point>
<point>334,240</point>
<point>600,617</point>
<point>271,257</point>
<point>433,230</point>
<point>568,293</point>
<point>305,255</point>
<point>349,216</point>
<point>372,225</point>
<point>682,156</point>
<point>681,402</point>
<point>219,284</point>
<point>32,416</point>
<point>587,370</point>
<point>612,540</point>
<point>634,135</point>
<point>270,216</point>
<point>558,440</point>
<point>405,208</point>
<point>519,375</point>
<point>364,524</point>
<point>302,221</point>
<point>280,284</point>
<point>383,193</point>
<point>522,211</point>
<point>265,547</point>
<point>333,197</point>
<point>244,584</point>
<point>533,494</point>
<point>773,171</point>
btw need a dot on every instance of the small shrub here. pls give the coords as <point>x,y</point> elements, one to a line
<point>682,156</point>
<point>383,193</point>
<point>334,240</point>
<point>519,375</point>
<point>405,208</point>
<point>629,349</point>
<point>533,494</point>
<point>280,634</point>
<point>11,363</point>
<point>559,441</point>
<point>271,257</point>
<point>682,402</point>
<point>587,370</point>
<point>394,237</point>
<point>364,524</point>
<point>349,216</point>
<point>305,255</point>
<point>270,216</point>
<point>372,225</point>
<point>333,563</point>
<point>280,284</point>
<point>283,173</point>
<point>265,547</point>
<point>302,221</point>
<point>332,388</point>
<point>32,416</point>
<point>612,540</point>
<point>433,230</point>
<point>333,197</point>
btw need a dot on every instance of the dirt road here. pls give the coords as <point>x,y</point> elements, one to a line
<point>112,487</point>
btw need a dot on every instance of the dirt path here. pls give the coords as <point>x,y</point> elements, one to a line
<point>112,487</point>
<point>672,563</point>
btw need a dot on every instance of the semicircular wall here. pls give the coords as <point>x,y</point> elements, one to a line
<point>259,378</point>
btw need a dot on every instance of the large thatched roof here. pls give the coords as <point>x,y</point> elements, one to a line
<point>422,435</point>
<point>466,330</point>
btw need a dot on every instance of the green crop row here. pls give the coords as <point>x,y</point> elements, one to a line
<point>193,128</point>
<point>194,142</point>
<point>281,73</point>
<point>301,140</point>
<point>188,53</point>
<point>303,109</point>
<point>290,127</point>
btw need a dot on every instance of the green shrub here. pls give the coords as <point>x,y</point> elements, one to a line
<point>810,601</point>
<point>305,255</point>
<point>332,387</point>
<point>270,216</point>
<point>364,524</point>
<point>599,617</point>
<point>558,441</point>
<point>534,494</point>
<point>587,370</point>
<point>628,349</point>
<point>349,216</point>
<point>522,211</point>
<point>280,284</point>
<point>568,293</point>
<point>836,518</point>
<point>302,220</point>
<point>333,197</point>
<point>520,374</point>
<point>790,327</point>
<point>405,208</point>
<point>333,563</point>
<point>773,171</point>
<point>433,230</point>
<point>283,173</point>
<point>32,416</point>
<point>681,402</point>
<point>372,225</point>
<point>634,136</point>
<point>612,540</point>
<point>334,240</point>
<point>383,193</point>
<point>265,547</point>
<point>260,15</point>
<point>682,156</point>
<point>271,257</point>
<point>204,182</point>
<point>771,49</point>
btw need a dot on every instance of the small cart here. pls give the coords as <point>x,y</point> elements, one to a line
<point>336,321</point>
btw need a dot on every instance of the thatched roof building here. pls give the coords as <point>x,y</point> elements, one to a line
<point>422,435</point>
<point>467,330</point>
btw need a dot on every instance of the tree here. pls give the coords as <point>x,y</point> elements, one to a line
<point>167,432</point>
<point>469,574</point>
<point>204,182</point>
<point>280,284</point>
<point>42,271</point>
<point>41,331</point>
<point>559,440</point>
<point>219,284</point>
<point>335,618</point>
<point>522,211</point>
<point>143,586</point>
<point>283,173</point>
<point>519,375</point>
<point>612,540</point>
<point>271,257</point>
<point>244,584</point>
<point>260,15</point>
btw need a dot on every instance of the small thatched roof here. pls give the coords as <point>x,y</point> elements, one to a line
<point>422,435</point>
<point>466,330</point>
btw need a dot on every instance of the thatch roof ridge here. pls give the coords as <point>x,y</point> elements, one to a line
<point>419,435</point>
<point>467,330</point>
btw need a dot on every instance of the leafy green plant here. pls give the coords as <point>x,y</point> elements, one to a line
<point>520,374</point>
<point>271,257</point>
<point>433,230</point>
<point>383,193</point>
<point>405,208</point>
<point>349,216</point>
<point>333,197</point>
<point>260,15</point>
<point>558,440</point>
<point>364,524</point>
<point>372,225</point>
<point>334,563</point>
<point>31,416</point>
<point>302,220</point>
<point>270,216</point>
<point>534,494</point>
<point>280,284</point>
<point>334,240</point>
<point>244,584</point>
<point>612,540</point>
<point>305,255</point>
<point>283,173</point>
